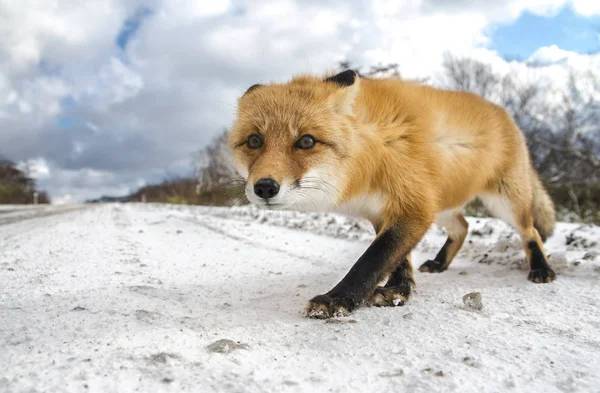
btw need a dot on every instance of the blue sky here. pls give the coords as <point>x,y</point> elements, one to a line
<point>131,26</point>
<point>566,29</point>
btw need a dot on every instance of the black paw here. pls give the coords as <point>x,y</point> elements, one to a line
<point>391,296</point>
<point>432,267</point>
<point>542,275</point>
<point>326,306</point>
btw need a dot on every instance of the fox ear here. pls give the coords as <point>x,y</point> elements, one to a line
<point>343,79</point>
<point>348,81</point>
<point>256,86</point>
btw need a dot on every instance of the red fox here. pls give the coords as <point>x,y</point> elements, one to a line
<point>399,153</point>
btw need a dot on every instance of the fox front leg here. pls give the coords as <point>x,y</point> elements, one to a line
<point>376,263</point>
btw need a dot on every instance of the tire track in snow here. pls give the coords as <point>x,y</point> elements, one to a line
<point>244,240</point>
<point>9,217</point>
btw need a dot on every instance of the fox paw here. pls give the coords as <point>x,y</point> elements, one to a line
<point>326,306</point>
<point>542,275</point>
<point>432,267</point>
<point>390,296</point>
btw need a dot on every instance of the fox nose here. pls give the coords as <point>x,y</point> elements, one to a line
<point>266,188</point>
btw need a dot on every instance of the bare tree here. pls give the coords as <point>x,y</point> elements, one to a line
<point>16,185</point>
<point>467,74</point>
<point>573,144</point>
<point>214,164</point>
<point>563,134</point>
<point>216,175</point>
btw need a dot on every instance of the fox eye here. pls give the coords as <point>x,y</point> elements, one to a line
<point>254,141</point>
<point>305,142</point>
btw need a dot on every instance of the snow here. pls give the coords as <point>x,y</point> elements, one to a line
<point>14,213</point>
<point>136,297</point>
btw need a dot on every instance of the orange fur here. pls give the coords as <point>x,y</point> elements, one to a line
<point>391,149</point>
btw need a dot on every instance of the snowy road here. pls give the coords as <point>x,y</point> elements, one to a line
<point>10,213</point>
<point>122,298</point>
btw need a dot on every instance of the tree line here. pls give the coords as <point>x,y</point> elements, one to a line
<point>17,187</point>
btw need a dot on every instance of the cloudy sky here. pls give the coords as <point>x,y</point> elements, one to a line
<point>104,96</point>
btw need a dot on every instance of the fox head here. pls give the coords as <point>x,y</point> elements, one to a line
<point>290,141</point>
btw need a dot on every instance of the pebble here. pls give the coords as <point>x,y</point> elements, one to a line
<point>473,300</point>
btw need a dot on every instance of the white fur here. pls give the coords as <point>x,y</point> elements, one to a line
<point>241,168</point>
<point>448,220</point>
<point>500,207</point>
<point>319,193</point>
<point>365,206</point>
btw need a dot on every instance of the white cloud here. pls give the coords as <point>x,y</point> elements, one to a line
<point>35,167</point>
<point>553,55</point>
<point>549,55</point>
<point>91,126</point>
<point>587,7</point>
<point>131,114</point>
<point>189,10</point>
<point>115,83</point>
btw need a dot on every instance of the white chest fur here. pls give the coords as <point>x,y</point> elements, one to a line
<point>364,206</point>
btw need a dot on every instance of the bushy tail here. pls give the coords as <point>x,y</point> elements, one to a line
<point>544,215</point>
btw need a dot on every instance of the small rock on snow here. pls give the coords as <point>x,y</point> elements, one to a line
<point>226,346</point>
<point>396,373</point>
<point>163,357</point>
<point>473,300</point>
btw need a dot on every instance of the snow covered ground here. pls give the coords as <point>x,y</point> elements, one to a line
<point>15,213</point>
<point>123,298</point>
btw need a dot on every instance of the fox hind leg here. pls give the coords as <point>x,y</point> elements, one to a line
<point>457,227</point>
<point>514,206</point>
